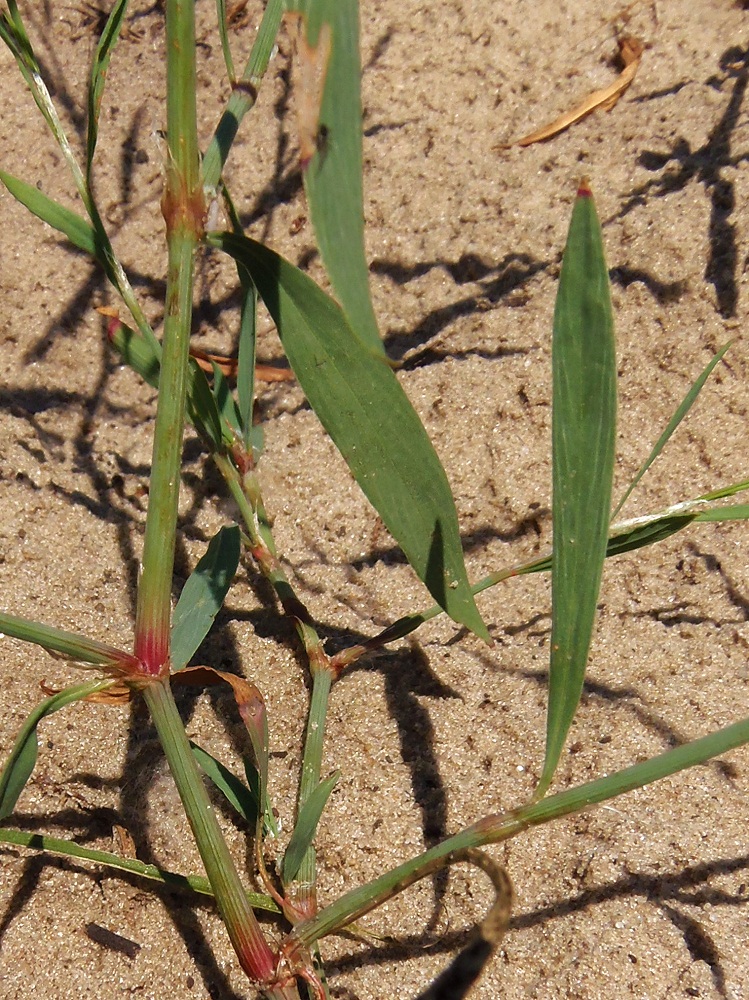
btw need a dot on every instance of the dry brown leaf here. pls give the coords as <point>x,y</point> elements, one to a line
<point>309,83</point>
<point>228,366</point>
<point>630,52</point>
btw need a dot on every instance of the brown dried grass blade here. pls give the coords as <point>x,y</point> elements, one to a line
<point>630,52</point>
<point>228,366</point>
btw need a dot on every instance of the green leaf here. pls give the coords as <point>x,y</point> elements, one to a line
<point>140,354</point>
<point>67,645</point>
<point>731,512</point>
<point>99,69</point>
<point>246,359</point>
<point>726,491</point>
<point>225,405</point>
<point>306,827</point>
<point>22,760</point>
<point>237,794</point>
<point>69,849</point>
<point>144,357</point>
<point>681,412</point>
<point>224,35</point>
<point>363,407</point>
<point>583,441</point>
<point>333,176</point>
<point>203,595</point>
<point>202,410</point>
<point>74,227</point>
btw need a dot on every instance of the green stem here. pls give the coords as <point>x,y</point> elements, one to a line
<point>254,954</point>
<point>183,212</point>
<point>493,829</point>
<point>244,94</point>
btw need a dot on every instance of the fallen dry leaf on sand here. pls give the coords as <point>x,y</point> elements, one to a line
<point>630,52</point>
<point>229,366</point>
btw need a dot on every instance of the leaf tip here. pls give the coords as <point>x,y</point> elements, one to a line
<point>583,188</point>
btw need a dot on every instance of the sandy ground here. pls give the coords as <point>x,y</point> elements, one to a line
<point>642,898</point>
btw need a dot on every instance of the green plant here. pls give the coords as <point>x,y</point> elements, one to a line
<point>336,354</point>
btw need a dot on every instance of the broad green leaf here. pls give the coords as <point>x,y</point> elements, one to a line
<point>681,412</point>
<point>203,595</point>
<point>22,760</point>
<point>99,69</point>
<point>330,140</point>
<point>237,794</point>
<point>363,407</point>
<point>77,229</point>
<point>583,441</point>
<point>306,827</point>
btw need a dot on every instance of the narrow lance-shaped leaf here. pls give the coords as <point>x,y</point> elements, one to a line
<point>22,760</point>
<point>77,229</point>
<point>363,407</point>
<point>224,36</point>
<point>69,849</point>
<point>583,440</point>
<point>246,356</point>
<point>99,68</point>
<point>327,90</point>
<point>67,645</point>
<point>306,827</point>
<point>236,793</point>
<point>681,411</point>
<point>203,595</point>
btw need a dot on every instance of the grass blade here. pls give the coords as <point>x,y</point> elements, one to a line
<point>224,35</point>
<point>66,645</point>
<point>22,760</point>
<point>171,880</point>
<point>331,150</point>
<point>99,68</point>
<point>74,227</point>
<point>363,407</point>
<point>246,357</point>
<point>583,441</point>
<point>306,827</point>
<point>236,793</point>
<point>681,412</point>
<point>203,595</point>
<point>225,405</point>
